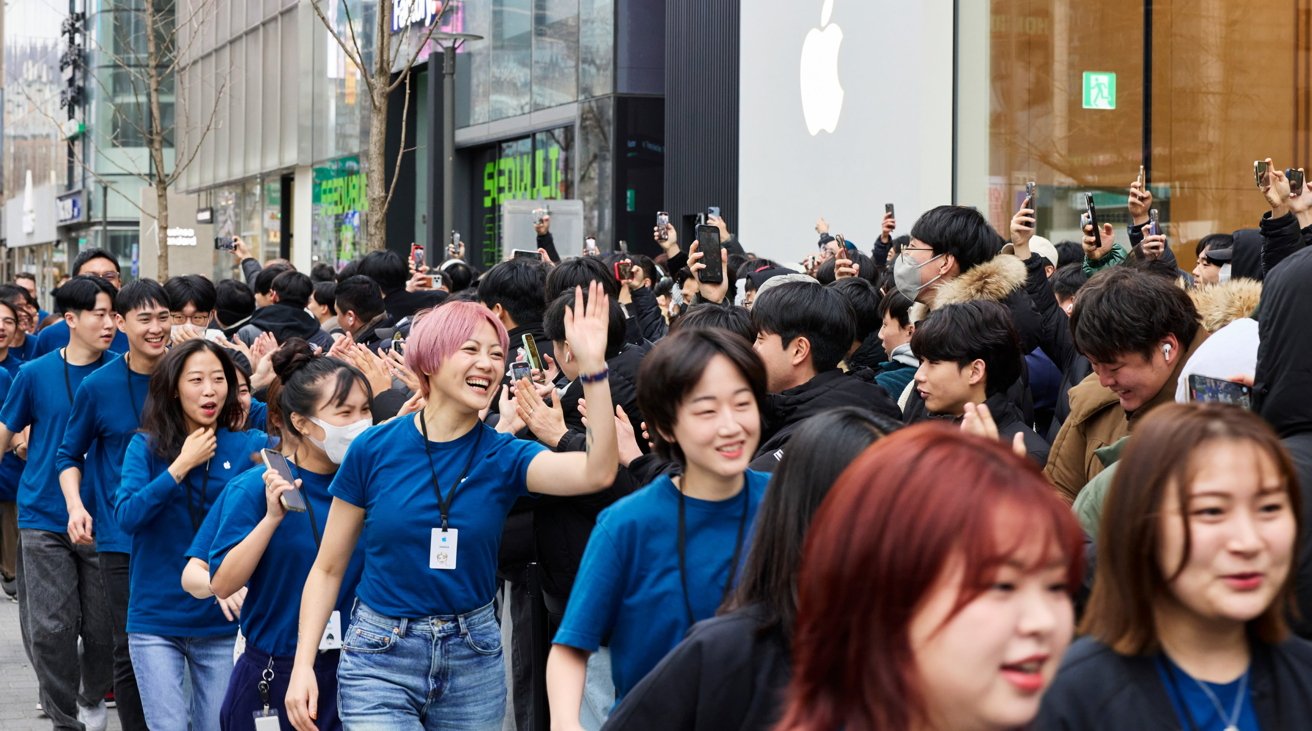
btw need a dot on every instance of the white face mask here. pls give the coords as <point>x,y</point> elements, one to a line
<point>338,438</point>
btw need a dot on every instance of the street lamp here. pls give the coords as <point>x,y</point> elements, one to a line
<point>449,43</point>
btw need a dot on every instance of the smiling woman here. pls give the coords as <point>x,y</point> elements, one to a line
<point>426,499</point>
<point>668,555</point>
<point>1186,623</point>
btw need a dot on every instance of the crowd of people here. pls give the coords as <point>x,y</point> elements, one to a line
<point>959,481</point>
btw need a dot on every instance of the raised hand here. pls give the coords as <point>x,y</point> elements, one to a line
<point>1153,246</point>
<point>586,327</point>
<point>1139,202</point>
<point>545,420</point>
<point>709,292</point>
<point>1022,230</point>
<point>196,451</point>
<point>274,488</point>
<point>1095,249</point>
<point>626,437</point>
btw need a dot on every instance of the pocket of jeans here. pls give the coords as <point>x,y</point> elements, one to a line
<point>484,638</point>
<point>366,638</point>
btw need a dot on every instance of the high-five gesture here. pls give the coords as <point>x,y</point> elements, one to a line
<point>586,326</point>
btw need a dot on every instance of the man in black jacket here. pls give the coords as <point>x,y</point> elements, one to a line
<point>803,331</point>
<point>391,272</point>
<point>969,353</point>
<point>360,310</point>
<point>286,317</point>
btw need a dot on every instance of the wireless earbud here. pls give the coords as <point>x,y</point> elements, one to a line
<point>1166,350</point>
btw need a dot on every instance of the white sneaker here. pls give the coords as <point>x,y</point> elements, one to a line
<point>95,718</point>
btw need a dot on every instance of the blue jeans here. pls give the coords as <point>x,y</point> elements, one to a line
<point>438,673</point>
<point>161,664</point>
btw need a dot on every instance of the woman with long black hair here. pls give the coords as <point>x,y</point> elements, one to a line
<point>190,447</point>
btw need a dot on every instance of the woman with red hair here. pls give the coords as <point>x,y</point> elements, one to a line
<point>935,590</point>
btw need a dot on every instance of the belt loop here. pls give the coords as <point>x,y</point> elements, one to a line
<point>460,620</point>
<point>402,623</point>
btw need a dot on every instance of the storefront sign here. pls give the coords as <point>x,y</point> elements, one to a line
<point>522,176</point>
<point>178,236</point>
<point>339,188</point>
<point>69,208</point>
<point>406,13</point>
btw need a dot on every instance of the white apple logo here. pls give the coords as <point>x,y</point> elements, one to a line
<point>822,94</point>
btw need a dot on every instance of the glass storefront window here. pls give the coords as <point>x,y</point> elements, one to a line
<point>556,53</point>
<point>538,167</point>
<point>1038,102</point>
<point>512,58</point>
<point>338,208</point>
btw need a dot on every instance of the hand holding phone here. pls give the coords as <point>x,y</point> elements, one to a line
<point>519,370</point>
<point>292,500</point>
<point>1216,390</point>
<point>1295,177</point>
<point>1262,174</point>
<point>1030,195</point>
<point>708,239</point>
<point>416,257</point>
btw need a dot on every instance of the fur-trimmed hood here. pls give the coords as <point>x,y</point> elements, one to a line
<point>994,280</point>
<point>1221,304</point>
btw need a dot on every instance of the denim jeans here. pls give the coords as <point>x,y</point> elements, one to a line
<point>161,664</point>
<point>438,673</point>
<point>114,572</point>
<point>62,598</point>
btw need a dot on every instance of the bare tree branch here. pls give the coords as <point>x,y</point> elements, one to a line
<point>400,151</point>
<point>180,166</point>
<point>355,57</point>
<point>418,49</point>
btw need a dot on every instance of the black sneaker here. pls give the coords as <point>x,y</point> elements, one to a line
<point>10,587</point>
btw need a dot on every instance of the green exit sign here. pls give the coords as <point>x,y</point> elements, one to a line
<point>1099,90</point>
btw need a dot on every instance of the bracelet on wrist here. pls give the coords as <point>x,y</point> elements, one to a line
<point>597,377</point>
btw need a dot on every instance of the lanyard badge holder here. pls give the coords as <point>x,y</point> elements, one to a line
<point>445,541</point>
<point>267,718</point>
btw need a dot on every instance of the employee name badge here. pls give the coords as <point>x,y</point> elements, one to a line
<point>332,633</point>
<point>442,551</point>
<point>267,723</point>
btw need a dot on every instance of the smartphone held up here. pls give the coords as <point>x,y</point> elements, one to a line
<point>708,243</point>
<point>292,500</point>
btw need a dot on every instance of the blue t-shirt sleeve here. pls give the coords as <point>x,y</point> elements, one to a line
<point>519,454</point>
<point>79,432</point>
<point>243,509</point>
<point>594,601</point>
<point>141,494</point>
<point>16,414</point>
<point>259,416</point>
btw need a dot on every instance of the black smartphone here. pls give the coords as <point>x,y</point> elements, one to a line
<point>291,500</point>
<point>224,243</point>
<point>662,221</point>
<point>524,254</point>
<point>531,351</point>
<point>1260,173</point>
<point>1295,181</point>
<point>888,209</point>
<point>1202,388</point>
<point>1091,218</point>
<point>417,256</point>
<point>708,242</point>
<point>623,270</point>
<point>1030,194</point>
<point>398,343</point>
<point>519,370</point>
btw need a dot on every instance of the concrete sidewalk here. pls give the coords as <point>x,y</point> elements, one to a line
<point>18,692</point>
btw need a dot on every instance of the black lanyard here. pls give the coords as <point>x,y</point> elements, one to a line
<point>195,511</point>
<point>309,506</point>
<point>132,394</point>
<point>68,381</point>
<point>444,504</point>
<point>733,561</point>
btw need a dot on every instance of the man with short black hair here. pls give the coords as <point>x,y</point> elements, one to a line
<point>895,331</point>
<point>190,299</point>
<point>970,354</point>
<point>285,316</point>
<point>360,310</point>
<point>513,290</point>
<point>27,280</point>
<point>803,331</point>
<point>234,304</point>
<point>391,272</point>
<point>94,263</point>
<point>1137,330</point>
<point>106,415</point>
<point>60,589</point>
<point>262,283</point>
<point>323,305</point>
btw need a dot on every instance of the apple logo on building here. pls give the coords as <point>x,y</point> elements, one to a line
<point>822,94</point>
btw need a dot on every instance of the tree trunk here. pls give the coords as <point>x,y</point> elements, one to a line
<point>376,169</point>
<point>155,138</point>
<point>162,230</point>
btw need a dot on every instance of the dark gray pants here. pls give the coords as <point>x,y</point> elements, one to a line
<point>114,572</point>
<point>61,597</point>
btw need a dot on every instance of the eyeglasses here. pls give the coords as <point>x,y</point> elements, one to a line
<point>196,318</point>
<point>910,260</point>
<point>108,276</point>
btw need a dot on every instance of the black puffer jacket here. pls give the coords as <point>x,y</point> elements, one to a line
<point>285,322</point>
<point>826,392</point>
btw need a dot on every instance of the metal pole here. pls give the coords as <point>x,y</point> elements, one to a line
<point>448,139</point>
